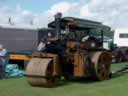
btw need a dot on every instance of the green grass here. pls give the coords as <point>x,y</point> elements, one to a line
<point>117,86</point>
<point>118,66</point>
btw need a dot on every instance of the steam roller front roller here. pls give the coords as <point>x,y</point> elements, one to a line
<point>39,72</point>
<point>102,65</point>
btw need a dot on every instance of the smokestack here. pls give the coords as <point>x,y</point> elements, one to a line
<point>58,17</point>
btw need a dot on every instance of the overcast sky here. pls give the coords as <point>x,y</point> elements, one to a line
<point>39,12</point>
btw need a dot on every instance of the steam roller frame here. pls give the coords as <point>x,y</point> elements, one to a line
<point>43,70</point>
<point>102,65</point>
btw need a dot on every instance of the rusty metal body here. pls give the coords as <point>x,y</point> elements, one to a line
<point>89,62</point>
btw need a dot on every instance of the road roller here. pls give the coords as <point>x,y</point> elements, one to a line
<point>82,54</point>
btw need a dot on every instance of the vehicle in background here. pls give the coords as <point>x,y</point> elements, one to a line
<point>121,42</point>
<point>21,42</point>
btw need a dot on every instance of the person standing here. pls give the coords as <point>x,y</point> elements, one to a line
<point>3,61</point>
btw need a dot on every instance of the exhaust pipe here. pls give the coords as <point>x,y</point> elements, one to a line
<point>58,17</point>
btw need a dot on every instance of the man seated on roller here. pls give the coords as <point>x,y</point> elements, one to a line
<point>45,42</point>
<point>54,45</point>
<point>51,44</point>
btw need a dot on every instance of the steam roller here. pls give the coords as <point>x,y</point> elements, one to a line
<point>75,59</point>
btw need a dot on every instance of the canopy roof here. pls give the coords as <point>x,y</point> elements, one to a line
<point>76,23</point>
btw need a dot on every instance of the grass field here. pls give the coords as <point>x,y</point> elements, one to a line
<point>117,86</point>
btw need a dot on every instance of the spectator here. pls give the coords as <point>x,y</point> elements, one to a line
<point>3,59</point>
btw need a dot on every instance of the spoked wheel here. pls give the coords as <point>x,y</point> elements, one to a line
<point>40,73</point>
<point>102,65</point>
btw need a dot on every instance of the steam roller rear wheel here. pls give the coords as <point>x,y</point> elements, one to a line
<point>102,65</point>
<point>40,73</point>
